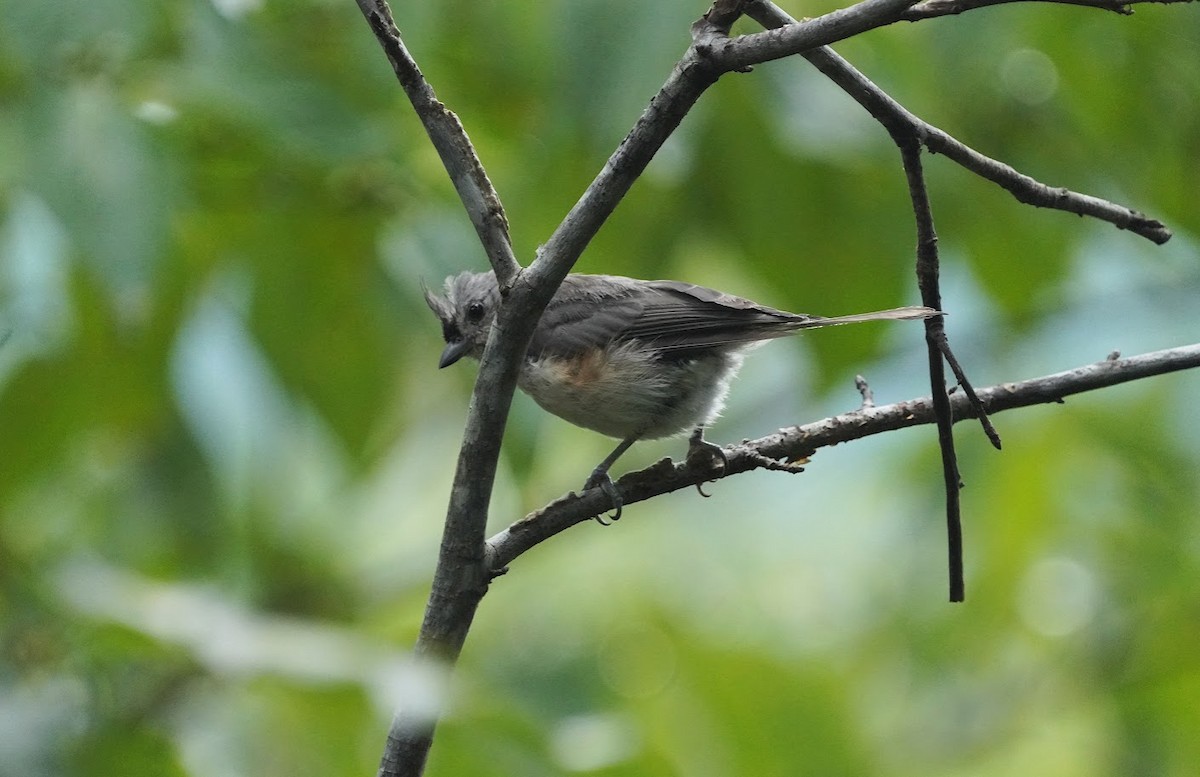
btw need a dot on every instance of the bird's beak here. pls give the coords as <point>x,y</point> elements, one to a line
<point>454,351</point>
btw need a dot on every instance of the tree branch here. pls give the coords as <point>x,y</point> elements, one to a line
<point>738,54</point>
<point>460,580</point>
<point>466,562</point>
<point>910,132</point>
<point>930,9</point>
<point>446,132</point>
<point>928,280</point>
<point>895,117</point>
<point>461,577</point>
<point>800,442</point>
<point>711,54</point>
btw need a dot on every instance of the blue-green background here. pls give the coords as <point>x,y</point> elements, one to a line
<point>225,448</point>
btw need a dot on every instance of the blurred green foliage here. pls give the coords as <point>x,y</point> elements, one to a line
<point>225,448</point>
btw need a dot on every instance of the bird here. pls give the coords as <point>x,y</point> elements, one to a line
<point>631,359</point>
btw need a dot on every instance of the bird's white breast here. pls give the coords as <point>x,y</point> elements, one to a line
<point>624,391</point>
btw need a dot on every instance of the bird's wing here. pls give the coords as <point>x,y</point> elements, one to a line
<point>589,311</point>
<point>681,319</point>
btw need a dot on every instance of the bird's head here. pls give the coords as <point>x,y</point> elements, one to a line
<point>466,312</point>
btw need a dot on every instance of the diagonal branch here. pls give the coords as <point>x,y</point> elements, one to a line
<point>446,132</point>
<point>711,54</point>
<point>799,442</point>
<point>461,579</point>
<point>894,116</point>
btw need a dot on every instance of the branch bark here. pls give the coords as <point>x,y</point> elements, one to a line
<point>800,442</point>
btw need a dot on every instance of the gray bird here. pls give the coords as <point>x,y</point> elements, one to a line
<point>631,359</point>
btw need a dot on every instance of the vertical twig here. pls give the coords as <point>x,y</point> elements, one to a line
<point>935,336</point>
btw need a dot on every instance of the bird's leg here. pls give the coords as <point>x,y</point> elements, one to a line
<point>698,446</point>
<point>601,478</point>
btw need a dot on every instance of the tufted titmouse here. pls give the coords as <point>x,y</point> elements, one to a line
<point>631,359</point>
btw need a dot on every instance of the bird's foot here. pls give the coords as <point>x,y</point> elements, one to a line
<point>601,479</point>
<point>698,446</point>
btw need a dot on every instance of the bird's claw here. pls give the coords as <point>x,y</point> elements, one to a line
<point>600,479</point>
<point>698,446</point>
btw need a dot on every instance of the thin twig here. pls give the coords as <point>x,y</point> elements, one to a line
<point>930,9</point>
<point>796,443</point>
<point>892,115</point>
<point>976,404</point>
<point>935,335</point>
<point>446,132</point>
<point>864,390</point>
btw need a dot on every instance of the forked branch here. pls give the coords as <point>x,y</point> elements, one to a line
<point>896,118</point>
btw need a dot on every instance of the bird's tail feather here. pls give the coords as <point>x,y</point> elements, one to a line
<point>911,313</point>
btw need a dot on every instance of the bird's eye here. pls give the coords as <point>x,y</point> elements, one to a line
<point>475,312</point>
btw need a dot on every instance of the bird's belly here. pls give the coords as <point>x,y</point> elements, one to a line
<point>626,392</point>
